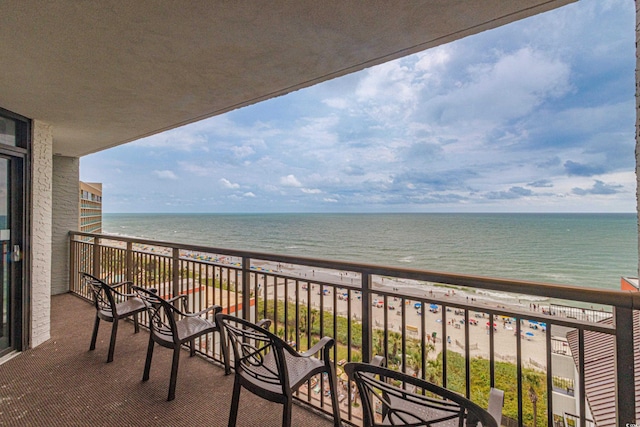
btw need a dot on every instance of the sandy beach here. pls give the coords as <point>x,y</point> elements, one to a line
<point>453,335</point>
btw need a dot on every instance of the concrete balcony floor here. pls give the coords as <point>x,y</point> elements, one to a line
<point>62,383</point>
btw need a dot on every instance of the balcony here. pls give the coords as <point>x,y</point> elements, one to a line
<point>62,383</point>
<point>454,330</point>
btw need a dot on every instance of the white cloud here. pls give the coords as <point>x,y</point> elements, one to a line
<point>311,190</point>
<point>392,79</point>
<point>243,151</point>
<point>510,88</point>
<point>196,169</point>
<point>337,103</point>
<point>290,181</point>
<point>318,132</point>
<point>433,59</point>
<point>389,93</point>
<point>165,174</point>
<point>228,184</point>
<point>249,194</point>
<point>180,139</point>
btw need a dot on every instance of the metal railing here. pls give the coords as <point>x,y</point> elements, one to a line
<point>560,346</point>
<point>454,330</point>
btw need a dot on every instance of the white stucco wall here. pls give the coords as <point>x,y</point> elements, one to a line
<point>41,217</point>
<point>66,211</point>
<point>565,367</point>
<point>638,124</point>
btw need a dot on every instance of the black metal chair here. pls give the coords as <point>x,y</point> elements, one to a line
<point>171,327</point>
<point>414,402</point>
<point>111,306</point>
<point>270,368</point>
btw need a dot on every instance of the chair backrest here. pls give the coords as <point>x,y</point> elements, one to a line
<point>414,403</point>
<point>103,297</point>
<point>258,354</point>
<point>496,402</point>
<point>162,319</point>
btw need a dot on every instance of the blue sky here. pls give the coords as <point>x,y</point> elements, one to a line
<point>535,116</point>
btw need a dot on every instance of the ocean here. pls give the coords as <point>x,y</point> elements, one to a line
<point>590,250</point>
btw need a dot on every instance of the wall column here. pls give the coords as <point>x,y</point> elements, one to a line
<point>41,197</point>
<point>638,125</point>
<point>66,214</point>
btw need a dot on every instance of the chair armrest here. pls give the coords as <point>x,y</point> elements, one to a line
<point>215,308</point>
<point>176,297</point>
<point>185,302</point>
<point>116,286</point>
<point>264,323</point>
<point>325,343</point>
<point>378,360</point>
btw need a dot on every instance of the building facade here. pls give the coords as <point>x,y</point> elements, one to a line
<point>90,207</point>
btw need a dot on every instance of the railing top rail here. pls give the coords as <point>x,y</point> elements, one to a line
<point>626,299</point>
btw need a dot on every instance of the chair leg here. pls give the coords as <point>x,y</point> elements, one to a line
<point>147,363</point>
<point>174,373</point>
<point>334,398</point>
<point>136,325</point>
<point>192,347</point>
<point>112,343</point>
<point>235,402</point>
<point>225,355</point>
<point>94,337</point>
<point>286,413</point>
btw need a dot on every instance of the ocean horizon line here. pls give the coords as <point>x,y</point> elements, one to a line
<point>372,213</point>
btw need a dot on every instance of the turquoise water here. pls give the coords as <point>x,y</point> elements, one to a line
<point>592,250</point>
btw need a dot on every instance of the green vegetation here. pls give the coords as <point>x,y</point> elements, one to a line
<point>443,285</point>
<point>534,382</point>
<point>312,317</point>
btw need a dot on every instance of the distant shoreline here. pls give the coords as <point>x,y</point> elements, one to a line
<point>364,213</point>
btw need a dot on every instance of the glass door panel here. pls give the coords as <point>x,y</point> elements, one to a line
<point>14,296</point>
<point>5,244</point>
<point>7,131</point>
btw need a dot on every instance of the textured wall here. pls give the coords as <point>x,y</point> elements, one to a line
<point>41,214</point>
<point>638,123</point>
<point>66,211</point>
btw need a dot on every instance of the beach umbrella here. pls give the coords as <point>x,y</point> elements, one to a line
<point>533,321</point>
<point>489,323</point>
<point>529,334</point>
<point>433,307</point>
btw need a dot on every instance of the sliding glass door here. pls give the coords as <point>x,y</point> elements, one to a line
<point>14,134</point>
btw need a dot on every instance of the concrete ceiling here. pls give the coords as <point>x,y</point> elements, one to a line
<point>107,72</point>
